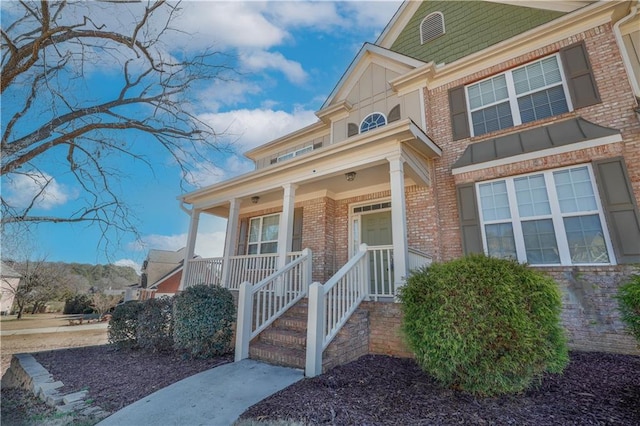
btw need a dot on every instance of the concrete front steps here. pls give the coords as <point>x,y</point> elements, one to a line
<point>285,341</point>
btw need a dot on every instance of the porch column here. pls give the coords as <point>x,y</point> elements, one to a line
<point>230,239</point>
<point>191,244</point>
<point>285,232</point>
<point>398,219</point>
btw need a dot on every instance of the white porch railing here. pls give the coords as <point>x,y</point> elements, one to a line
<point>252,268</point>
<point>261,304</point>
<point>331,305</point>
<point>381,272</point>
<point>204,271</point>
<point>417,259</point>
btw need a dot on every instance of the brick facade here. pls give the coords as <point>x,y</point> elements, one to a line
<point>590,309</point>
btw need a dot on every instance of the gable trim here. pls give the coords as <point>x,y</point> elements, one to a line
<point>366,49</point>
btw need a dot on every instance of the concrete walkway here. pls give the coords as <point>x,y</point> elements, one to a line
<point>214,397</point>
<point>60,329</point>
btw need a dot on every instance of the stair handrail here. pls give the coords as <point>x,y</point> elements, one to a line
<point>332,304</point>
<point>274,295</point>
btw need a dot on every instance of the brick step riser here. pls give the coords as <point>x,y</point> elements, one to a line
<point>273,356</point>
<point>291,323</point>
<point>274,338</point>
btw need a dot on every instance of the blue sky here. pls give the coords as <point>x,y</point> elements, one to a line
<point>290,56</point>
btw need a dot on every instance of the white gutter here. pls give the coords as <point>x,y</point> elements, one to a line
<point>623,51</point>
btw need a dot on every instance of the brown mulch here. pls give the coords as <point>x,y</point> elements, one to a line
<point>116,378</point>
<point>595,389</point>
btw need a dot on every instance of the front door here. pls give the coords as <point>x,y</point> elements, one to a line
<point>376,233</point>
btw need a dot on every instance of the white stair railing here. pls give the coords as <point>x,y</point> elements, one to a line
<point>261,304</point>
<point>331,305</point>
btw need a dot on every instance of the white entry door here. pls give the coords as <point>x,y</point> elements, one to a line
<point>376,233</point>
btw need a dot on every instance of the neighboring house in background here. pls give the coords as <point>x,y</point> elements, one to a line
<point>158,264</point>
<point>9,282</point>
<point>509,128</point>
<point>161,275</point>
<point>169,284</point>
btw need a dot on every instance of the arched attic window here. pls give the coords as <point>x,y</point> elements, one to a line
<point>372,121</point>
<point>432,26</point>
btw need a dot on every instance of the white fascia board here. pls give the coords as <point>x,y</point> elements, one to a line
<point>558,6</point>
<point>398,22</point>
<point>539,154</point>
<point>417,165</point>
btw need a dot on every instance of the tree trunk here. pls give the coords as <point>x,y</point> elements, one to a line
<point>20,307</point>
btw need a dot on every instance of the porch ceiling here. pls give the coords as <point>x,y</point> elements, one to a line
<point>369,178</point>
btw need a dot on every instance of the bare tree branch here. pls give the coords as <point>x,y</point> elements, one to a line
<point>49,54</point>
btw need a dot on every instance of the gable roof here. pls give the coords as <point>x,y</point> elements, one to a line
<point>168,275</point>
<point>367,53</point>
<point>409,7</point>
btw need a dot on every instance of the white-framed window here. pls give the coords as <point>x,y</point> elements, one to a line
<point>431,27</point>
<point>295,153</point>
<point>263,234</point>
<point>521,95</point>
<point>372,121</point>
<point>545,218</point>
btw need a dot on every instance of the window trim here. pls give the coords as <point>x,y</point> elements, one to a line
<point>556,216</point>
<point>260,242</point>
<point>512,97</point>
<point>295,153</point>
<point>386,121</point>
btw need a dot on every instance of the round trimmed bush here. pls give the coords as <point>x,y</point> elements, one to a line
<point>203,321</point>
<point>155,325</point>
<point>629,304</point>
<point>123,327</point>
<point>484,325</point>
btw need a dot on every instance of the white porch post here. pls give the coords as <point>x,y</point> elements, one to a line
<point>285,232</point>
<point>398,219</point>
<point>230,239</point>
<point>191,244</point>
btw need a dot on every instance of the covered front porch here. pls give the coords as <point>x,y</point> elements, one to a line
<point>333,225</point>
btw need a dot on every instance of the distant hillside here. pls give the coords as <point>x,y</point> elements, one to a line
<point>82,277</point>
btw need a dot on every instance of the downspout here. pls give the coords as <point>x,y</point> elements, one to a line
<point>625,57</point>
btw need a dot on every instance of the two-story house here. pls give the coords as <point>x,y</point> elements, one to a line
<point>509,128</point>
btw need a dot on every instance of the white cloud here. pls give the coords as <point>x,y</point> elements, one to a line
<point>129,262</point>
<point>227,93</point>
<point>318,15</point>
<point>226,24</point>
<point>47,191</point>
<point>261,60</point>
<point>209,240</point>
<point>254,127</point>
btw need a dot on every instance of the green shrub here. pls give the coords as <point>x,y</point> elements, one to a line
<point>629,304</point>
<point>203,321</point>
<point>123,327</point>
<point>155,325</point>
<point>78,304</point>
<point>484,325</point>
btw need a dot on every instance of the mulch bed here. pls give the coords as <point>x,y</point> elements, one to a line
<point>116,378</point>
<point>595,389</point>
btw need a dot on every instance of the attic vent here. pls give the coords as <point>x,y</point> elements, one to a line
<point>352,129</point>
<point>394,114</point>
<point>431,27</point>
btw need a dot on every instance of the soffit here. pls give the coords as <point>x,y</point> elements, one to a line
<point>531,140</point>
